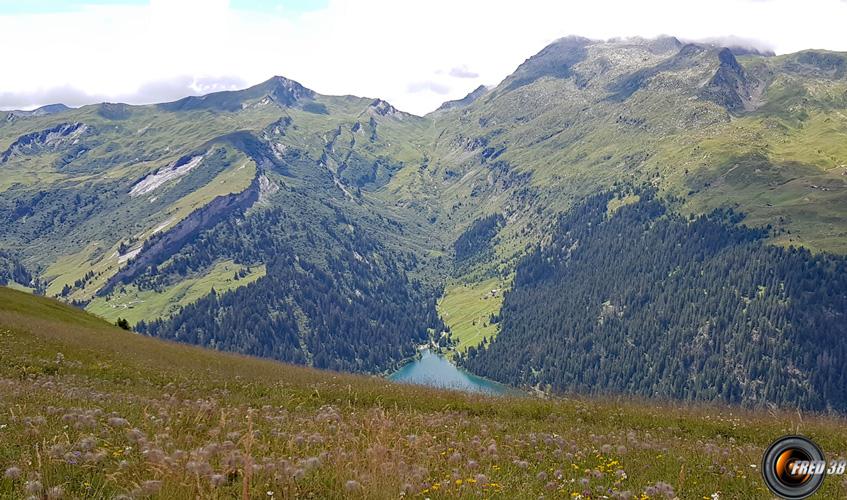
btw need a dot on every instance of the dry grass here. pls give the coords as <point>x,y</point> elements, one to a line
<point>89,411</point>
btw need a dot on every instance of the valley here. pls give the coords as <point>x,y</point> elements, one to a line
<point>339,232</point>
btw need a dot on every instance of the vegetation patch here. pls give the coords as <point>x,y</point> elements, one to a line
<point>134,304</point>
<point>91,411</point>
<point>471,312</point>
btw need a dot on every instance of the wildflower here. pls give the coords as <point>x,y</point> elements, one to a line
<point>55,493</point>
<point>352,485</point>
<point>72,457</point>
<point>199,468</point>
<point>117,422</point>
<point>56,451</point>
<point>151,487</point>
<point>87,444</point>
<point>135,435</point>
<point>217,480</point>
<point>12,473</point>
<point>541,476</point>
<point>33,487</point>
<point>455,458</point>
<point>154,455</point>
<point>665,489</point>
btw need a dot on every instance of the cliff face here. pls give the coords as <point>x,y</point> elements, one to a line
<point>157,249</point>
<point>49,139</point>
<point>731,86</point>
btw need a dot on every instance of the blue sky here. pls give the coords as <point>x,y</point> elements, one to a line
<point>416,54</point>
<point>57,6</point>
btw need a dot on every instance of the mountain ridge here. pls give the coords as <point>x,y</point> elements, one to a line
<point>121,208</point>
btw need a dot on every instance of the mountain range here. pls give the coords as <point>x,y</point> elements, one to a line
<point>337,231</point>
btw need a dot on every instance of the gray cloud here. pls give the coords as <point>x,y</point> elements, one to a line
<point>148,93</point>
<point>462,72</point>
<point>70,96</point>
<point>739,44</point>
<point>428,86</point>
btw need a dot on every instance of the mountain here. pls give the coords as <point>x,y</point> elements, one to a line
<point>465,101</point>
<point>339,231</point>
<point>41,111</point>
<point>139,211</point>
<point>627,297</point>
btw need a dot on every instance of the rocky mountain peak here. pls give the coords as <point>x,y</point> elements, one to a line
<point>286,91</point>
<point>383,108</point>
<point>731,86</point>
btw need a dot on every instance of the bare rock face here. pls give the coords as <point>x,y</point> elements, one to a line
<point>383,108</point>
<point>287,92</point>
<point>730,87</point>
<point>49,139</point>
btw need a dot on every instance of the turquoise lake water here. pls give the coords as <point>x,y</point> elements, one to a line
<point>436,371</point>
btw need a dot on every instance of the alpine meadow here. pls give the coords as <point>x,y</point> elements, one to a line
<point>645,239</point>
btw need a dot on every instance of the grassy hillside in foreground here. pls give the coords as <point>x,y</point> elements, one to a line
<point>90,411</point>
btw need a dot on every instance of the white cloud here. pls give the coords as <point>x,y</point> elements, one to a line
<point>428,86</point>
<point>463,72</point>
<point>374,48</point>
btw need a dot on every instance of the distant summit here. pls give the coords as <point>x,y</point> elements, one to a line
<point>465,101</point>
<point>42,111</point>
<point>280,90</point>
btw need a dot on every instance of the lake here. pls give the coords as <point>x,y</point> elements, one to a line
<point>436,371</point>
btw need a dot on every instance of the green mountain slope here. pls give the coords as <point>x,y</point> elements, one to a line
<point>91,411</point>
<point>646,302</point>
<point>119,208</point>
<point>153,212</point>
<point>764,135</point>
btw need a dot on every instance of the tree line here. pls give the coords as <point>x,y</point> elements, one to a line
<point>650,303</point>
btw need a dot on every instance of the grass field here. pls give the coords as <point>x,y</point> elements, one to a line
<point>466,309</point>
<point>135,305</point>
<point>90,411</point>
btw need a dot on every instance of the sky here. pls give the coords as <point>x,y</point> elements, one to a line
<point>415,54</point>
